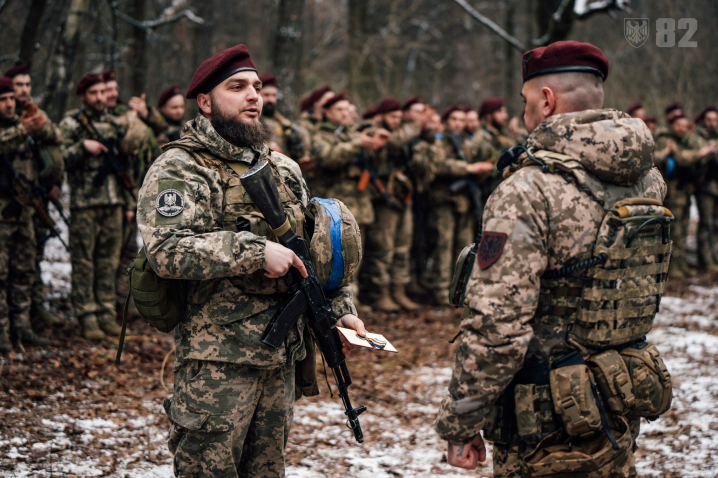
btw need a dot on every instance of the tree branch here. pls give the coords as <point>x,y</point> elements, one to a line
<point>148,25</point>
<point>491,25</point>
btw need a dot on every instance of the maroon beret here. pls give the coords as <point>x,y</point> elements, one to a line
<point>673,107</point>
<point>490,105</point>
<point>702,114</point>
<point>387,105</point>
<point>412,100</point>
<point>87,81</point>
<point>451,109</point>
<point>650,119</point>
<point>109,75</point>
<point>6,85</point>
<point>269,80</point>
<point>165,96</point>
<point>22,69</point>
<point>564,57</point>
<point>218,68</point>
<point>314,96</point>
<point>335,99</point>
<point>369,113</point>
<point>633,107</point>
<point>676,117</point>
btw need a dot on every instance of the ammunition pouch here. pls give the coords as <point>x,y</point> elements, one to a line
<point>650,380</point>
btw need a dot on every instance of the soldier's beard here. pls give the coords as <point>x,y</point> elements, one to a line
<point>269,109</point>
<point>238,133</point>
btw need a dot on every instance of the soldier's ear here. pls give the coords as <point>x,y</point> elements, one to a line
<point>205,104</point>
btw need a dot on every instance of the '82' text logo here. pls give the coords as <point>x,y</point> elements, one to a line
<point>636,31</point>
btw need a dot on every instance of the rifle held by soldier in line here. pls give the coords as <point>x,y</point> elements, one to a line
<point>26,194</point>
<point>370,175</point>
<point>468,184</point>
<point>307,294</point>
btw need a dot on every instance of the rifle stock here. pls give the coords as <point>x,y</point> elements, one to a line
<point>307,293</point>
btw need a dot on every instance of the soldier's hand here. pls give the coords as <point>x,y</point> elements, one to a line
<point>55,194</point>
<point>279,259</point>
<point>382,136</point>
<point>93,147</point>
<point>480,167</point>
<point>351,321</point>
<point>129,216</point>
<point>33,123</point>
<point>467,456</point>
<point>306,163</point>
<point>706,150</point>
<point>139,105</point>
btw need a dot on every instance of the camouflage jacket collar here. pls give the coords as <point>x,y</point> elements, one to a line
<point>202,132</point>
<point>607,143</point>
<point>8,122</point>
<point>706,133</point>
<point>93,114</point>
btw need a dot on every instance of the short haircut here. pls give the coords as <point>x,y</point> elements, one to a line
<point>578,91</point>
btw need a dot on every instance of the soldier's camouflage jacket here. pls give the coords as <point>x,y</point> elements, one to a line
<point>549,224</point>
<point>198,224</point>
<point>334,150</point>
<point>82,167</point>
<point>447,169</point>
<point>685,157</point>
<point>15,147</point>
<point>708,171</point>
<point>294,140</point>
<point>165,129</point>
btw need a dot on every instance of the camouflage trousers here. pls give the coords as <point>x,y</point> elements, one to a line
<point>95,240</point>
<point>452,231</point>
<point>38,288</point>
<point>507,461</point>
<point>230,421</point>
<point>127,255</point>
<point>388,242</point>
<point>707,229</point>
<point>17,267</point>
<point>679,202</point>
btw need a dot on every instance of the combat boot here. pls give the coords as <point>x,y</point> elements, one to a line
<point>441,298</point>
<point>385,303</point>
<point>40,312</point>
<point>109,325</point>
<point>28,336</point>
<point>398,293</point>
<point>5,344</point>
<point>90,329</point>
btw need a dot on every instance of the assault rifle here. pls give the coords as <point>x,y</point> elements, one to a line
<point>111,163</point>
<point>307,294</point>
<point>370,175</point>
<point>26,194</point>
<point>467,184</point>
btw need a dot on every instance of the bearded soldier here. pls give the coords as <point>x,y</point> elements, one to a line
<point>494,118</point>
<point>19,172</point>
<point>101,197</point>
<point>232,406</point>
<point>536,305</point>
<point>678,153</point>
<point>707,194</point>
<point>287,138</point>
<point>52,169</point>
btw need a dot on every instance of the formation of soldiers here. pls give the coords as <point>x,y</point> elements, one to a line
<point>414,179</point>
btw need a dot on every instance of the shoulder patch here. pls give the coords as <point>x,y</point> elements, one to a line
<point>169,203</point>
<point>490,248</point>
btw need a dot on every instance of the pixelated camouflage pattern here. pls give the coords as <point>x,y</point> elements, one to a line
<point>229,420</point>
<point>549,224</point>
<point>17,266</point>
<point>707,199</point>
<point>334,151</point>
<point>224,322</point>
<point>82,167</point>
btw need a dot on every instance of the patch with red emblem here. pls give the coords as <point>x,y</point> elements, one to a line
<point>490,249</point>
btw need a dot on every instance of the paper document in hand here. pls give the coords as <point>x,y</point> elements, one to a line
<point>372,341</point>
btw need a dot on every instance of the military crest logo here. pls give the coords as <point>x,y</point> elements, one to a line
<point>490,249</point>
<point>636,31</point>
<point>169,203</point>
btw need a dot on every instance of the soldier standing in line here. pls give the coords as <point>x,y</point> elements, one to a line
<point>166,120</point>
<point>287,137</point>
<point>50,178</point>
<point>311,107</point>
<point>517,337</point>
<point>389,238</point>
<point>453,216</point>
<point>231,411</point>
<point>707,195</point>
<point>19,173</point>
<point>494,118</point>
<point>473,124</point>
<point>337,152</point>
<point>651,122</point>
<point>101,197</point>
<point>678,153</point>
<point>636,110</point>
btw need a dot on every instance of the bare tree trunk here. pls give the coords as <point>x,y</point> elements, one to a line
<point>30,31</point>
<point>202,39</point>
<point>138,50</point>
<point>510,64</point>
<point>359,68</point>
<point>63,59</point>
<point>287,52</point>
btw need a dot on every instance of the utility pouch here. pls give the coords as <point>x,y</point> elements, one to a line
<point>534,412</point>
<point>650,380</point>
<point>462,272</point>
<point>573,397</point>
<point>613,381</point>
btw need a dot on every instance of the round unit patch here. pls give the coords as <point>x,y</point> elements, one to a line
<point>169,203</point>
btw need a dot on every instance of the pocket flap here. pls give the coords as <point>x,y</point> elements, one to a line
<point>183,417</point>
